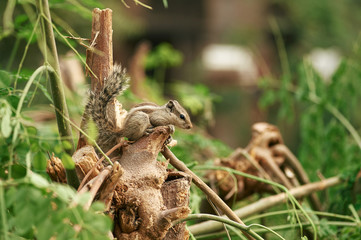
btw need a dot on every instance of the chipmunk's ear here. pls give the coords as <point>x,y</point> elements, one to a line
<point>170,105</point>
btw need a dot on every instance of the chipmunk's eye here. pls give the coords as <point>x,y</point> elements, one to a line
<point>182,117</point>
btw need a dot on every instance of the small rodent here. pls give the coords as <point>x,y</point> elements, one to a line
<point>140,120</point>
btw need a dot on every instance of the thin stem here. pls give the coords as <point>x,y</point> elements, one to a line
<point>327,223</point>
<point>354,213</point>
<point>58,95</point>
<point>13,53</point>
<point>276,213</point>
<point>55,79</point>
<point>3,212</point>
<point>281,47</point>
<point>26,51</point>
<point>281,228</point>
<point>267,229</point>
<point>339,116</point>
<point>69,45</point>
<point>17,115</point>
<point>142,4</point>
<point>293,200</point>
<point>97,163</point>
<point>92,140</point>
<point>8,23</point>
<point>241,227</point>
<point>266,203</point>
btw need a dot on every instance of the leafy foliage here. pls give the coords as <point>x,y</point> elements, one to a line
<point>326,133</point>
<point>37,209</point>
<point>329,141</point>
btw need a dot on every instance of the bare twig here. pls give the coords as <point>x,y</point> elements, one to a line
<point>97,164</point>
<point>93,186</point>
<point>265,155</point>
<point>299,171</point>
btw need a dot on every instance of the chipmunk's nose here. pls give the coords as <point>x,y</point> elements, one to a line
<point>189,126</point>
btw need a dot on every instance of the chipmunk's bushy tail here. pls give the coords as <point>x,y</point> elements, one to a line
<point>114,84</point>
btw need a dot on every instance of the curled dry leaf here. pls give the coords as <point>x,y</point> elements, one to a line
<point>56,170</point>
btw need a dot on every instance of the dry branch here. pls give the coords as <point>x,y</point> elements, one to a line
<point>265,156</point>
<point>99,57</point>
<point>266,203</point>
<point>101,60</point>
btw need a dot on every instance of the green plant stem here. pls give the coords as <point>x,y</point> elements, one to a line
<point>92,140</point>
<point>354,213</point>
<point>293,200</point>
<point>3,213</point>
<point>8,23</point>
<point>56,86</point>
<point>276,213</point>
<point>72,48</point>
<point>13,53</point>
<point>339,116</point>
<point>26,51</point>
<point>281,228</point>
<point>281,47</point>
<point>266,229</point>
<point>266,203</point>
<point>18,117</point>
<point>241,227</point>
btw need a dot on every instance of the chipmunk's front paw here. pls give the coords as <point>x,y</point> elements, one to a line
<point>171,128</point>
<point>149,131</point>
<point>168,141</point>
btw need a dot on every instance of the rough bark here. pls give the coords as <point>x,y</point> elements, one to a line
<point>99,56</point>
<point>140,212</point>
<point>175,192</point>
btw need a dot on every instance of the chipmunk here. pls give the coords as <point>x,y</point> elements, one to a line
<point>140,120</point>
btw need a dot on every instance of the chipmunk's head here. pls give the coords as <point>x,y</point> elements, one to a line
<point>180,117</point>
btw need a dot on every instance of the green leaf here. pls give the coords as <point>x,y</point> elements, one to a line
<point>269,97</point>
<point>18,171</point>
<point>6,122</point>
<point>38,180</point>
<point>64,192</point>
<point>23,218</point>
<point>68,161</point>
<point>67,145</point>
<point>5,79</point>
<point>39,161</point>
<point>58,148</point>
<point>97,206</point>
